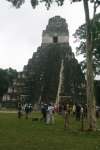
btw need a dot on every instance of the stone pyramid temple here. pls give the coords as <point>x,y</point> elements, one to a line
<point>53,70</point>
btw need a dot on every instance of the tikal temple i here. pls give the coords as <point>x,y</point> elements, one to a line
<point>53,72</point>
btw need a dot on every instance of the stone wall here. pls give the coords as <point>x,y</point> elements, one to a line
<point>47,39</point>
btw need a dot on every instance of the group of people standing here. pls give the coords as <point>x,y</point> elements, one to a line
<point>80,111</point>
<point>75,110</point>
<point>47,111</point>
<point>24,109</point>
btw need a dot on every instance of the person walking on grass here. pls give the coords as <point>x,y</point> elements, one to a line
<point>66,116</point>
<point>44,108</point>
<point>50,114</point>
<point>78,112</point>
<point>19,110</point>
<point>26,111</point>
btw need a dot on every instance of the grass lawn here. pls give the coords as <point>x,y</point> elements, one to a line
<point>23,134</point>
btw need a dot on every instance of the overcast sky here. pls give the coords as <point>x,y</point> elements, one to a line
<point>21,29</point>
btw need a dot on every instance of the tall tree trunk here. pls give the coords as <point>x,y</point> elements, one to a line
<point>90,80</point>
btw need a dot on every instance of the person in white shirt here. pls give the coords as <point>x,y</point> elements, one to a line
<point>50,114</point>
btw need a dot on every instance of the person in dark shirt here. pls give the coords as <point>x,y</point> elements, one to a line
<point>44,109</point>
<point>19,110</point>
<point>26,110</point>
<point>78,112</point>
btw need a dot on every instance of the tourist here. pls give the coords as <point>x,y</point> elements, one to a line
<point>50,114</point>
<point>26,111</point>
<point>74,110</point>
<point>66,115</point>
<point>19,110</point>
<point>78,112</point>
<point>30,109</point>
<point>44,108</point>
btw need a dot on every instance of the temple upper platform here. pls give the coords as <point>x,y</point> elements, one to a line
<point>56,31</point>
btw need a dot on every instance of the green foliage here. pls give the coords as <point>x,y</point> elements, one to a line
<point>80,36</point>
<point>6,79</point>
<point>97,91</point>
<point>4,82</point>
<point>12,74</point>
<point>16,3</point>
<point>34,3</point>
